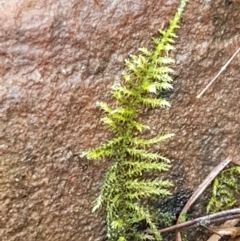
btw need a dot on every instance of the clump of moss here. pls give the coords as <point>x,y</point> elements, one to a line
<point>125,187</point>
<point>224,190</point>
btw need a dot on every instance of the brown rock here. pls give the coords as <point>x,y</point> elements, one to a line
<point>57,58</point>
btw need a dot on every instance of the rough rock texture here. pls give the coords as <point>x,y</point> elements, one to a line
<point>57,58</point>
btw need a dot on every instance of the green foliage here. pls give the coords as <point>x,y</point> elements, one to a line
<point>127,185</point>
<point>183,218</point>
<point>224,189</point>
<point>165,218</point>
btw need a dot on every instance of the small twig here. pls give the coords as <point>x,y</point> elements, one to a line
<point>209,219</point>
<point>221,70</point>
<point>219,220</point>
<point>200,190</point>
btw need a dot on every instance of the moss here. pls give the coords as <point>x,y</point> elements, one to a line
<point>224,190</point>
<point>125,188</point>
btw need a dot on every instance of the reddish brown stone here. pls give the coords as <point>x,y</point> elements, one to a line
<point>57,58</point>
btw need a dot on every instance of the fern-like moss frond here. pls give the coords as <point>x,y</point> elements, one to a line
<point>138,167</point>
<point>139,126</point>
<point>143,154</point>
<point>148,142</point>
<point>153,102</point>
<point>97,153</point>
<point>148,187</point>
<point>126,186</point>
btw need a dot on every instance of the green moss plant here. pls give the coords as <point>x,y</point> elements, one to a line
<point>224,190</point>
<point>127,186</point>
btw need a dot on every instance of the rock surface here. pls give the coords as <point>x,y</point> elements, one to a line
<point>57,58</point>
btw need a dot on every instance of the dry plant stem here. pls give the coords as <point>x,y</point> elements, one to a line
<point>200,190</point>
<point>209,219</point>
<point>221,70</point>
<point>229,223</point>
